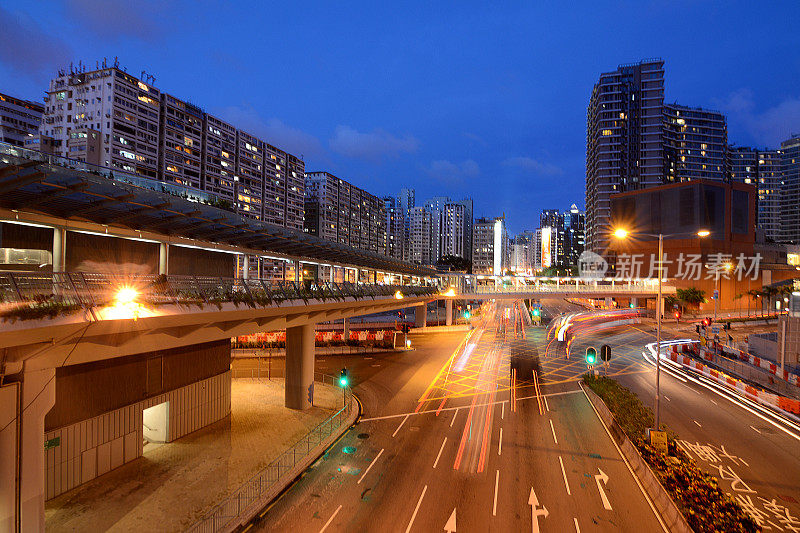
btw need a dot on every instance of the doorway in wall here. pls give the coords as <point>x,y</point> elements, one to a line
<point>155,422</point>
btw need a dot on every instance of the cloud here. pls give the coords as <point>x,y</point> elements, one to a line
<point>370,146</point>
<point>532,165</point>
<point>29,50</point>
<point>111,19</point>
<point>273,130</point>
<point>453,173</point>
<point>767,127</point>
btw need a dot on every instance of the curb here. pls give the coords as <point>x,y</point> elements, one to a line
<point>295,473</point>
<point>670,514</point>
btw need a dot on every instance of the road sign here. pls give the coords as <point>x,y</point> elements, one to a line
<point>715,329</point>
<point>716,294</point>
<point>658,440</point>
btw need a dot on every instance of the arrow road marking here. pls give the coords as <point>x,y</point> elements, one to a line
<point>450,526</point>
<point>533,501</point>
<point>604,477</point>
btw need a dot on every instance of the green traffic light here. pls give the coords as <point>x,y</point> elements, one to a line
<point>343,382</point>
<point>536,311</point>
<point>591,356</point>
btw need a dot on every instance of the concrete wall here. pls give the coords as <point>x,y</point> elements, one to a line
<point>92,447</point>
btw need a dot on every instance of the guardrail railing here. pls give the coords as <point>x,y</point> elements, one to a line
<point>229,510</point>
<point>567,288</point>
<point>85,289</point>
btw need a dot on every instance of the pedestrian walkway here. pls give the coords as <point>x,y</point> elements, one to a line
<point>174,484</point>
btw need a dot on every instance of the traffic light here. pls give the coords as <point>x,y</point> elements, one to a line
<point>591,355</point>
<point>466,314</point>
<point>344,378</point>
<point>537,311</point>
<point>605,353</point>
<point>697,328</point>
<point>706,322</point>
<point>677,315</point>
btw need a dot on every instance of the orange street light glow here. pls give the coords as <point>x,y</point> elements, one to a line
<point>620,233</point>
<point>703,233</point>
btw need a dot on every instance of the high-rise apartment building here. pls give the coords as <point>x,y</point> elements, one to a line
<point>341,212</point>
<point>455,229</point>
<point>695,142</point>
<point>419,243</point>
<point>564,237</point>
<point>624,148</point>
<point>395,228</point>
<point>140,129</point>
<point>763,169</point>
<point>574,235</point>
<point>406,201</point>
<point>19,119</point>
<point>790,190</point>
<point>490,247</point>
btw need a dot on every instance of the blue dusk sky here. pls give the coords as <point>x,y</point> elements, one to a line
<point>450,98</point>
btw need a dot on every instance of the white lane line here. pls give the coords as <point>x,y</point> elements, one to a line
<point>715,403</point>
<point>503,411</point>
<point>330,519</point>
<point>496,482</point>
<point>370,466</point>
<point>667,398</point>
<point>454,418</point>
<point>500,443</point>
<point>545,404</point>
<point>698,423</point>
<point>577,527</point>
<point>754,429</point>
<point>416,509</point>
<point>553,429</point>
<point>564,473</point>
<point>401,425</point>
<point>436,462</point>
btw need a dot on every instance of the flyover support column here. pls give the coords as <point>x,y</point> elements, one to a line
<point>59,249</point>
<point>448,312</point>
<point>421,316</point>
<point>299,392</point>
<point>22,472</point>
<point>245,266</point>
<point>345,329</point>
<point>608,301</point>
<point>163,258</point>
<point>297,270</point>
<point>634,302</point>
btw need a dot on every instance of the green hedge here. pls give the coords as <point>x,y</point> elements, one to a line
<point>707,508</point>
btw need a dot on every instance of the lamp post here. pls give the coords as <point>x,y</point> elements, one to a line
<point>728,268</point>
<point>622,234</point>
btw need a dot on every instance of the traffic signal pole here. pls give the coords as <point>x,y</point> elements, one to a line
<point>658,330</point>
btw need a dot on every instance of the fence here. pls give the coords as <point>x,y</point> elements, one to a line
<point>229,511</point>
<point>86,289</point>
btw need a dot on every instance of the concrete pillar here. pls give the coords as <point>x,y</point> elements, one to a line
<point>59,249</point>
<point>163,258</point>
<point>608,301</point>
<point>375,277</point>
<point>448,312</point>
<point>331,275</point>
<point>345,329</point>
<point>635,302</point>
<point>358,275</point>
<point>284,271</point>
<point>23,406</point>
<point>299,367</point>
<point>421,316</point>
<point>245,266</point>
<point>297,270</point>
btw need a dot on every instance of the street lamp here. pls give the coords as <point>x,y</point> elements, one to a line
<point>621,233</point>
<point>727,267</point>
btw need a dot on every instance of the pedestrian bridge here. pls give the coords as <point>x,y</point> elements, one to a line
<point>467,287</point>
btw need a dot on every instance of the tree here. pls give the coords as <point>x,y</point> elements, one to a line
<point>754,294</point>
<point>671,301</point>
<point>558,271</point>
<point>691,296</point>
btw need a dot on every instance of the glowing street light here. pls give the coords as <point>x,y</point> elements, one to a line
<point>449,292</point>
<point>126,296</point>
<point>398,295</point>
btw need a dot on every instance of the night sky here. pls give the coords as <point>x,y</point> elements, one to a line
<point>450,98</point>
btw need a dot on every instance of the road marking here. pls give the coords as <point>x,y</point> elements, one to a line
<point>450,526</point>
<point>416,509</point>
<point>401,425</point>
<point>754,429</point>
<point>577,527</point>
<point>545,403</point>
<point>533,501</point>
<point>553,430</point>
<point>330,519</point>
<point>436,462</point>
<point>370,466</point>
<point>624,460</point>
<point>454,418</point>
<point>715,403</point>
<point>698,423</point>
<point>667,398</point>
<point>602,476</point>
<point>502,410</point>
<point>564,473</point>
<point>496,482</point>
<point>500,442</point>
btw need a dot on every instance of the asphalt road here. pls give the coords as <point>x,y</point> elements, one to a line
<point>755,462</point>
<point>447,434</point>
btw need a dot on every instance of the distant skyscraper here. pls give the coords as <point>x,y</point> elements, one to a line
<point>695,142</point>
<point>19,119</point>
<point>763,169</point>
<point>623,140</point>
<point>406,202</point>
<point>564,238</point>
<point>574,235</point>
<point>455,229</point>
<point>490,247</point>
<point>395,228</point>
<point>435,206</point>
<point>790,190</point>
<point>420,236</point>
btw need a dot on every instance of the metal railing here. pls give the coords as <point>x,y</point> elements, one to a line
<point>229,510</point>
<point>85,289</point>
<point>567,288</point>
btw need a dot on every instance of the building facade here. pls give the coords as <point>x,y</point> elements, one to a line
<point>490,247</point>
<point>338,211</point>
<point>19,119</point>
<point>624,149</point>
<point>159,136</point>
<point>419,243</point>
<point>762,168</point>
<point>695,143</point>
<point>455,229</point>
<point>790,191</point>
<point>395,228</point>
